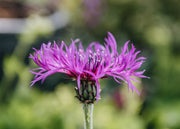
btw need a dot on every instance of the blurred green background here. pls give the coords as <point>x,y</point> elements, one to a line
<point>152,25</point>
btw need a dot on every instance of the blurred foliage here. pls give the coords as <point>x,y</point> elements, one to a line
<point>153,26</point>
<point>32,109</point>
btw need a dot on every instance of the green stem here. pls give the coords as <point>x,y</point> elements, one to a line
<point>88,115</point>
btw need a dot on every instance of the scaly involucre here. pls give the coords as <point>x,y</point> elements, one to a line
<point>96,62</point>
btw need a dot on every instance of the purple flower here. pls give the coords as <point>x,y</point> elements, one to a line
<point>92,64</point>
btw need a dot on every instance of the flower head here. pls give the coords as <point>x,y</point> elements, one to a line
<point>88,66</point>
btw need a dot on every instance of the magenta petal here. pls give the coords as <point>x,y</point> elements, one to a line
<point>98,90</point>
<point>79,82</point>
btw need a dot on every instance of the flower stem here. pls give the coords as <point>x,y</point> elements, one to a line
<point>88,115</point>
